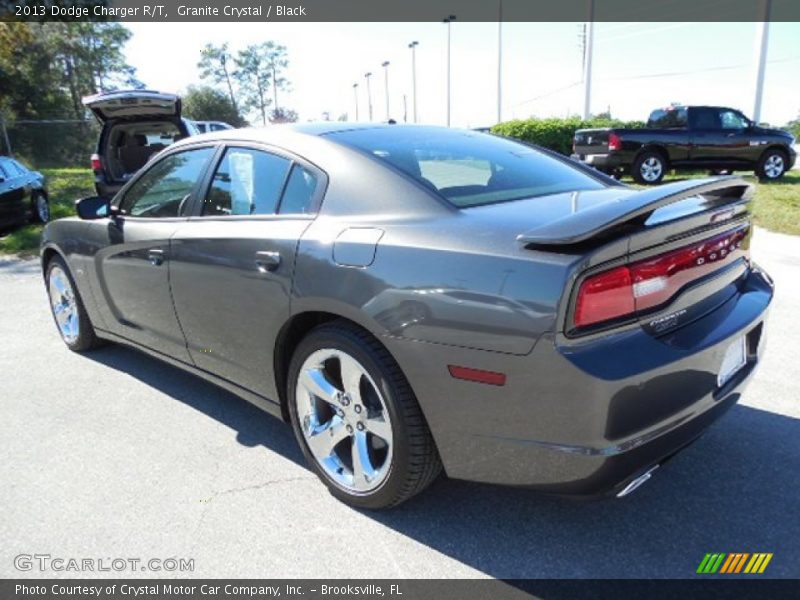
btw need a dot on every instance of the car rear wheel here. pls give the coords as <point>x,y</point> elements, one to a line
<point>649,168</point>
<point>357,420</point>
<point>772,165</point>
<point>67,308</point>
<point>40,208</point>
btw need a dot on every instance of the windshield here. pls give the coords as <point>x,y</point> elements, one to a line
<point>466,167</point>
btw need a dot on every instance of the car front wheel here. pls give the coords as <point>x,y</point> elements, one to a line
<point>40,208</point>
<point>772,165</point>
<point>357,420</point>
<point>67,308</point>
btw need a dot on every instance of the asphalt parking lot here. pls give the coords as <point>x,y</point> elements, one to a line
<point>113,454</point>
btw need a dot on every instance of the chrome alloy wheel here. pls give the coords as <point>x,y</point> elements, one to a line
<point>774,166</point>
<point>42,209</point>
<point>344,420</point>
<point>64,305</point>
<point>651,169</point>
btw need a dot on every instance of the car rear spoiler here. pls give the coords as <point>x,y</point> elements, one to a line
<point>631,209</point>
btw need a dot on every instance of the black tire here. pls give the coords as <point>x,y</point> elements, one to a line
<point>86,338</point>
<point>649,168</point>
<point>772,165</point>
<point>39,214</point>
<point>415,462</point>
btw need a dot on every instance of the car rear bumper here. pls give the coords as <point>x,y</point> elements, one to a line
<point>586,419</point>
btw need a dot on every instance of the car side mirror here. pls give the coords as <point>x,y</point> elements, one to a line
<point>93,207</point>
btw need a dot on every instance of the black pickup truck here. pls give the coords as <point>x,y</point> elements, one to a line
<point>687,137</point>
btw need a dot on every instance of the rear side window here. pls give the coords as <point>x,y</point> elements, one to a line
<point>299,193</point>
<point>468,168</point>
<point>667,118</point>
<point>246,182</point>
<point>705,118</point>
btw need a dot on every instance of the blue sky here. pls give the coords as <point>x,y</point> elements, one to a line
<point>637,66</point>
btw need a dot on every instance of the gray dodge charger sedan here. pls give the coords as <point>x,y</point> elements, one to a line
<point>417,299</point>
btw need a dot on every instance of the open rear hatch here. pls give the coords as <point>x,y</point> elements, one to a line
<point>133,104</point>
<point>662,256</point>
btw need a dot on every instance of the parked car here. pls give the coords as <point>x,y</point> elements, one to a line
<point>553,328</point>
<point>688,137</point>
<point>136,124</point>
<point>208,126</point>
<point>23,194</point>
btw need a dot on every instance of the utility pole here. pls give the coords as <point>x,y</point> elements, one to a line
<point>355,93</point>
<point>405,109</point>
<point>448,21</point>
<point>413,46</point>
<point>369,95</point>
<point>499,61</point>
<point>5,136</point>
<point>587,62</point>
<point>385,65</point>
<point>762,43</point>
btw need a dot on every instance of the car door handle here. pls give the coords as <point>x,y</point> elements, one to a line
<point>268,261</point>
<point>155,256</point>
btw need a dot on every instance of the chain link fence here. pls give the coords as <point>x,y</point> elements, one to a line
<point>50,143</point>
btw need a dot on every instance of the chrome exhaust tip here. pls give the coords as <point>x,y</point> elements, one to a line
<point>636,483</point>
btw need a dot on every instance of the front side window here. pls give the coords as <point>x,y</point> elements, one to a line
<point>166,186</point>
<point>246,182</point>
<point>468,168</point>
<point>732,120</point>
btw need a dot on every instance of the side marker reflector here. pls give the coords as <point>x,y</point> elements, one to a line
<point>477,375</point>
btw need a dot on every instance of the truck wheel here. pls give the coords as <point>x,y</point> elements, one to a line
<point>649,168</point>
<point>772,165</point>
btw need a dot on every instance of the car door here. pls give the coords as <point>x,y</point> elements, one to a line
<point>707,138</point>
<point>132,251</point>
<point>232,263</point>
<point>12,192</point>
<point>737,151</point>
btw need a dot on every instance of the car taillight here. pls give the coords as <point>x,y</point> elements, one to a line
<point>649,283</point>
<point>96,166</point>
<point>614,143</point>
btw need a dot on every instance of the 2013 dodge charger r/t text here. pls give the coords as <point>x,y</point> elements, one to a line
<point>415,299</point>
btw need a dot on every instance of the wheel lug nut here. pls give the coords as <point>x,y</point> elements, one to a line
<point>360,426</point>
<point>358,408</point>
<point>349,429</point>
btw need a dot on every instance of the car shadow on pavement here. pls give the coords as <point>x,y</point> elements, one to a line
<point>253,427</point>
<point>735,490</point>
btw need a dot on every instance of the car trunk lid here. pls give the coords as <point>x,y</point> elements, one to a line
<point>133,104</point>
<point>662,257</point>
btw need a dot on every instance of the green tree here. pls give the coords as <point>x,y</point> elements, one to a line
<point>282,115</point>
<point>794,127</point>
<point>217,64</point>
<point>253,73</point>
<point>204,103</point>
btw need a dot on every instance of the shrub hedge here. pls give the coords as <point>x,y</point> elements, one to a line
<point>556,134</point>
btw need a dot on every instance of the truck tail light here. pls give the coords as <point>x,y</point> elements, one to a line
<point>96,165</point>
<point>649,283</point>
<point>614,143</point>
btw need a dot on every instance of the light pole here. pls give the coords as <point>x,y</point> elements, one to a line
<point>587,62</point>
<point>448,21</point>
<point>413,46</point>
<point>499,60</point>
<point>355,94</point>
<point>369,95</point>
<point>385,65</point>
<point>762,43</point>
